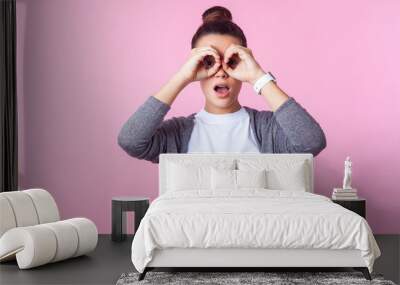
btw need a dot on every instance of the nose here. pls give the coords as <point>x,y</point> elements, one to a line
<point>221,72</point>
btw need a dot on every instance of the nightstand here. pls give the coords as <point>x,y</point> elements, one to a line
<point>121,205</point>
<point>357,205</point>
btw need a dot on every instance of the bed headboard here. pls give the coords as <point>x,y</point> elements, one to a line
<point>269,158</point>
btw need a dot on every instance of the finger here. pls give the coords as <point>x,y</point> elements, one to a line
<point>229,52</point>
<point>200,50</point>
<point>216,55</point>
<point>226,67</point>
<point>211,52</point>
<point>209,48</point>
<point>235,49</point>
<point>202,57</point>
<point>214,69</point>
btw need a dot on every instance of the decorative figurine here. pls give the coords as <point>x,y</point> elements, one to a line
<point>347,174</point>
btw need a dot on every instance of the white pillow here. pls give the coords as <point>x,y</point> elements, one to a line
<point>230,179</point>
<point>223,179</point>
<point>251,178</point>
<point>189,176</point>
<point>281,175</point>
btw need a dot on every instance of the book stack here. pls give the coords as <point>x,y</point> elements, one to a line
<point>344,194</point>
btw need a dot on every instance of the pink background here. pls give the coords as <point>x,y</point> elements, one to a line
<point>85,66</point>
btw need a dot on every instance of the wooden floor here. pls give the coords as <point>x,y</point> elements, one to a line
<point>110,259</point>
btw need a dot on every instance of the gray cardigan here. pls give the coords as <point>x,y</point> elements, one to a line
<point>289,129</point>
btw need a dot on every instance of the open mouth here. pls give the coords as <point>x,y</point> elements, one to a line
<point>222,90</point>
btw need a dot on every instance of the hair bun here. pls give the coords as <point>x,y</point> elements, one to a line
<point>216,13</point>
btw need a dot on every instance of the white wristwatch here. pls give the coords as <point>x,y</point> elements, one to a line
<point>260,83</point>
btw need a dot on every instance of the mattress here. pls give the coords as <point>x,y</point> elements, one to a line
<point>255,218</point>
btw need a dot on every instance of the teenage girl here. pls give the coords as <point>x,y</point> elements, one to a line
<point>221,61</point>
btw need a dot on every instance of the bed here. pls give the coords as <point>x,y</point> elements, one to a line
<point>242,210</point>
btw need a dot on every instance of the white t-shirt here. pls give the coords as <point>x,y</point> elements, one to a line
<point>222,133</point>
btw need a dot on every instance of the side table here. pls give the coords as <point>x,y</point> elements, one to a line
<point>121,205</point>
<point>356,205</point>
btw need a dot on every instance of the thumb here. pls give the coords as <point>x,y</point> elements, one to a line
<point>226,67</point>
<point>214,69</point>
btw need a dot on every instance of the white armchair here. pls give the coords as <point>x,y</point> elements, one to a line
<point>31,231</point>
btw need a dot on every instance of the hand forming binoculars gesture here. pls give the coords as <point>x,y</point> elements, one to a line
<point>238,61</point>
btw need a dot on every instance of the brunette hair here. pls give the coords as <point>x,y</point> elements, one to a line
<point>218,20</point>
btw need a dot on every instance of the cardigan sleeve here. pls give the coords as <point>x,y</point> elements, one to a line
<point>146,134</point>
<point>295,130</point>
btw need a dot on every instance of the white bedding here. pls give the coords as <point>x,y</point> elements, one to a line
<point>250,218</point>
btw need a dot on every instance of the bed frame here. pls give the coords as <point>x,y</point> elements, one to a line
<point>243,259</point>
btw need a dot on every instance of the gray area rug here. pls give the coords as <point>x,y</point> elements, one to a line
<point>225,278</point>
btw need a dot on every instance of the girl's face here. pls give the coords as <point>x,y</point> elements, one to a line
<point>214,103</point>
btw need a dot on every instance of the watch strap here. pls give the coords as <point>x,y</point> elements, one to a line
<point>262,81</point>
